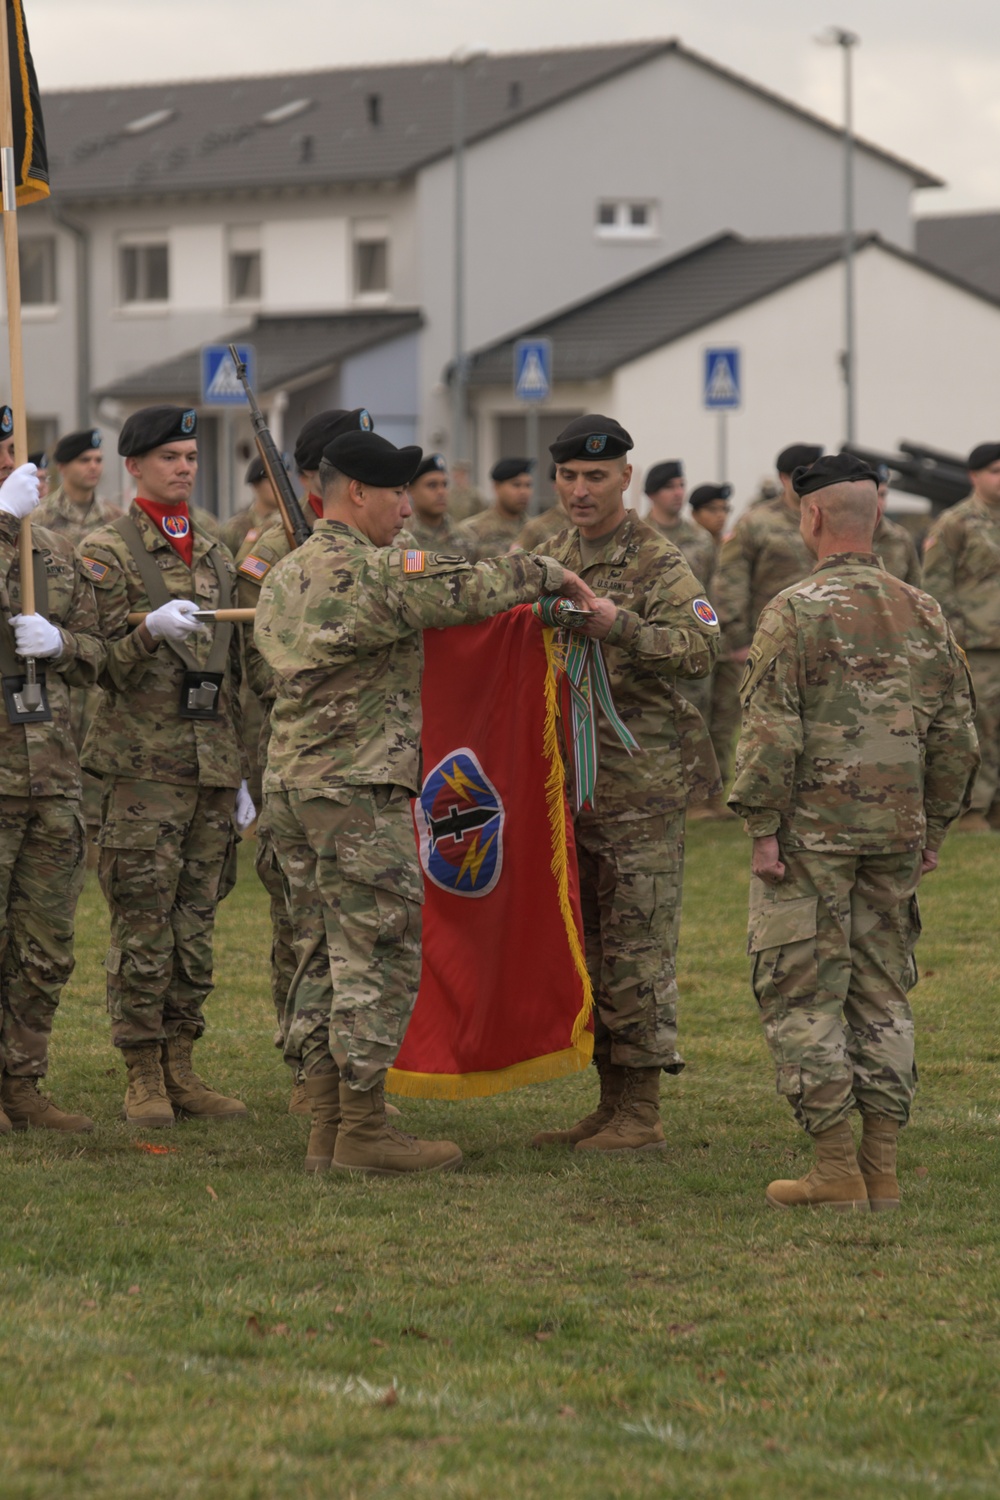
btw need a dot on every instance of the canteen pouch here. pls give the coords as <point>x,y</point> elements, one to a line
<point>200,693</point>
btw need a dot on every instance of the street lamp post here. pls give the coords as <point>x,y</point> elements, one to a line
<point>847,41</point>
<point>460,61</point>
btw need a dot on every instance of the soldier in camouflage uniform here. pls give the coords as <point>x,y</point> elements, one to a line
<point>430,526</point>
<point>464,500</point>
<point>665,489</point>
<point>73,509</point>
<point>166,739</point>
<point>41,825</point>
<point>962,571</point>
<point>710,508</point>
<point>655,626</point>
<point>542,526</point>
<point>493,532</point>
<point>254,563</point>
<point>243,529</point>
<point>340,623</point>
<point>857,752</point>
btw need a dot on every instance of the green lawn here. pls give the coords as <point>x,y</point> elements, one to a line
<point>210,1322</point>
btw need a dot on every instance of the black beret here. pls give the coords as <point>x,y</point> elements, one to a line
<point>320,431</point>
<point>373,460</point>
<point>797,456</point>
<point>6,423</point>
<point>833,468</point>
<point>431,463</point>
<point>510,468</point>
<point>661,474</point>
<point>75,443</point>
<point>981,456</point>
<point>592,436</point>
<point>155,425</point>
<point>40,460</point>
<point>706,493</point>
<point>256,471</point>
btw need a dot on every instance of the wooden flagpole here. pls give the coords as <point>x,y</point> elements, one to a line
<point>8,176</point>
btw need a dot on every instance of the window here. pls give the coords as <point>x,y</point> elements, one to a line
<point>371,266</point>
<point>244,263</point>
<point>622,219</point>
<point>38,272</point>
<point>143,271</point>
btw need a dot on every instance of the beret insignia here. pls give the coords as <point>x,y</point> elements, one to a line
<point>597,442</point>
<point>188,421</point>
<point>365,422</point>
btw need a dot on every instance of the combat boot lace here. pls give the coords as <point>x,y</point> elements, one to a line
<point>146,1101</point>
<point>187,1093</point>
<point>877,1161</point>
<point>635,1124</point>
<point>367,1144</point>
<point>25,1105</point>
<point>834,1182</point>
<point>298,1101</point>
<point>322,1096</point>
<point>612,1081</point>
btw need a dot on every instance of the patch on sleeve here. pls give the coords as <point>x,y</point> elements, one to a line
<point>254,567</point>
<point>706,614</point>
<point>414,562</point>
<point>97,570</point>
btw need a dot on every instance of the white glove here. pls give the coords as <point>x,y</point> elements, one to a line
<point>172,621</point>
<point>245,810</point>
<point>19,492</point>
<point>36,636</point>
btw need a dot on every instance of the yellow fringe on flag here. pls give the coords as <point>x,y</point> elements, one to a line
<point>577,1056</point>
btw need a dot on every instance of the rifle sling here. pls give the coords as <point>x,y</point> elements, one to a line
<point>157,593</point>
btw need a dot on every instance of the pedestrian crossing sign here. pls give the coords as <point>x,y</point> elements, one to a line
<point>532,369</point>
<point>721,389</point>
<point>219,383</point>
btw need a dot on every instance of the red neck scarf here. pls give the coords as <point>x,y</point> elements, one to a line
<point>174,523</point>
<point>316,506</point>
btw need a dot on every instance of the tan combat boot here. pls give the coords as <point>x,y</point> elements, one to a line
<point>322,1095</point>
<point>612,1079</point>
<point>635,1124</point>
<point>25,1105</point>
<point>834,1182</point>
<point>365,1143</point>
<point>877,1161</point>
<point>298,1103</point>
<point>146,1101</point>
<point>186,1091</point>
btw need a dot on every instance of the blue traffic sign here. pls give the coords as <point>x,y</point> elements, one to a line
<point>721,391</point>
<point>532,369</point>
<point>219,385</point>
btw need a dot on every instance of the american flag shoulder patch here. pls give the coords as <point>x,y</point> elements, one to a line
<point>97,570</point>
<point>414,562</point>
<point>254,567</point>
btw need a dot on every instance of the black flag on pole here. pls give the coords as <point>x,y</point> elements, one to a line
<point>31,162</point>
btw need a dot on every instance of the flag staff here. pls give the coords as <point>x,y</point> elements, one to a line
<point>8,178</point>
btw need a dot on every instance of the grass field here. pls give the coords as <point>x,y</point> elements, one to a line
<point>211,1323</point>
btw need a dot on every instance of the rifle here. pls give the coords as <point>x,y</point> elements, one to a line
<point>295,524</point>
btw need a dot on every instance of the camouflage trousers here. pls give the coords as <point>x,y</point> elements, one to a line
<point>725,714</point>
<point>985,669</point>
<point>831,959</point>
<point>631,877</point>
<point>167,858</point>
<point>41,875</point>
<point>350,861</point>
<point>83,705</point>
<point>283,960</point>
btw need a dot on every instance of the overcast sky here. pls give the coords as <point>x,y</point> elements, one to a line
<point>927,73</point>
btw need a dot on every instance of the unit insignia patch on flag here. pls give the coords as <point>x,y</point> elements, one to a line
<point>460,820</point>
<point>413,562</point>
<point>255,567</point>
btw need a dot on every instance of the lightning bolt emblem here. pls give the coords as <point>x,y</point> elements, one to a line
<point>473,861</point>
<point>460,783</point>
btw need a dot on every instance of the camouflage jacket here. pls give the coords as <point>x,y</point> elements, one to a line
<point>445,538</point>
<point>489,534</point>
<point>857,716</point>
<point>137,732</point>
<point>40,760</point>
<point>243,529</point>
<point>541,527</point>
<point>657,636</point>
<point>897,550</point>
<point>962,571</point>
<point>340,623</point>
<point>59,514</point>
<point>696,544</point>
<point>762,556</point>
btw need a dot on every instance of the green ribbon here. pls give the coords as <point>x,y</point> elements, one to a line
<point>589,688</point>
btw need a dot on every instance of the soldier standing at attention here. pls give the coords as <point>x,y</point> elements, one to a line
<point>493,532</point>
<point>893,543</point>
<point>340,623</point>
<point>665,491</point>
<point>430,526</point>
<point>542,526</point>
<point>857,752</point>
<point>655,627</point>
<point>167,740</point>
<point>73,510</point>
<point>962,571</point>
<point>710,509</point>
<point>259,516</point>
<point>41,827</point>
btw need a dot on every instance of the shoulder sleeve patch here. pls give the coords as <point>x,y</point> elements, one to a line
<point>704,611</point>
<point>97,571</point>
<point>414,562</point>
<point>254,567</point>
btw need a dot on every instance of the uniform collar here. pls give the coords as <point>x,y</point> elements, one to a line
<point>615,548</point>
<point>153,538</point>
<point>850,560</point>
